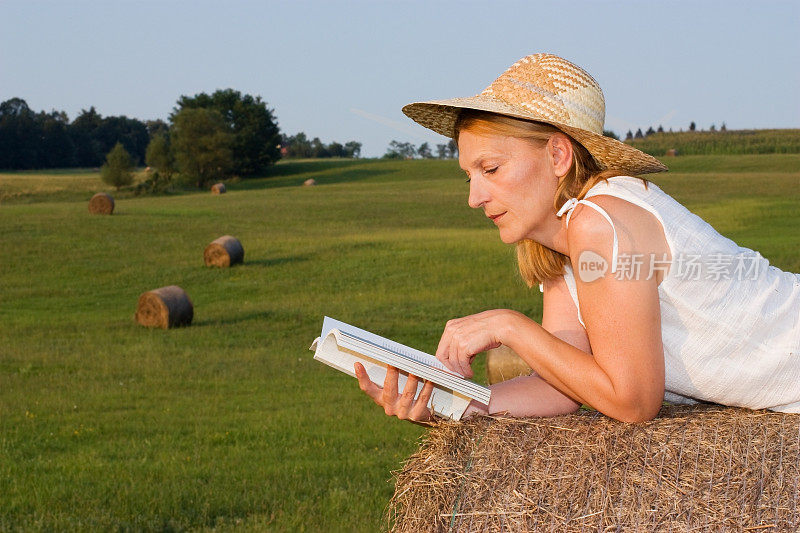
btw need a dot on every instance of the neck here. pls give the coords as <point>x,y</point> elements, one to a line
<point>552,235</point>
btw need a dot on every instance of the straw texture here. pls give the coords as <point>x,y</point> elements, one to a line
<point>164,308</point>
<point>543,88</point>
<point>224,252</point>
<point>101,204</point>
<point>503,363</point>
<point>694,468</point>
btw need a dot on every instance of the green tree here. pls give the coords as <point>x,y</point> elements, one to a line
<point>57,149</point>
<point>202,144</point>
<point>161,162</point>
<point>118,168</point>
<point>398,150</point>
<point>159,156</point>
<point>254,130</point>
<point>336,149</point>
<point>318,148</point>
<point>19,135</point>
<point>156,127</point>
<point>452,149</point>
<point>88,151</point>
<point>352,149</point>
<point>424,151</point>
<point>297,145</point>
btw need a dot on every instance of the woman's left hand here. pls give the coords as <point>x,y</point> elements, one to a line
<point>463,338</point>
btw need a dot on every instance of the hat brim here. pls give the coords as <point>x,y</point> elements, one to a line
<point>441,115</point>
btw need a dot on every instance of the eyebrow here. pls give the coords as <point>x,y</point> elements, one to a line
<point>480,158</point>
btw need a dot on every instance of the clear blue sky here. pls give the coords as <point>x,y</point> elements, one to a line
<point>342,70</point>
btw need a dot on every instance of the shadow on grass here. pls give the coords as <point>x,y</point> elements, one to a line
<point>289,167</point>
<point>232,320</point>
<point>323,174</point>
<point>274,261</point>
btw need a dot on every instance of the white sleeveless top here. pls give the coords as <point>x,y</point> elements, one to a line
<point>730,322</point>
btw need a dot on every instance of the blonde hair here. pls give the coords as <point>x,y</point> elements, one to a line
<point>537,262</point>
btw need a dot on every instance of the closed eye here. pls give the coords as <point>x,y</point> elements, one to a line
<point>490,171</point>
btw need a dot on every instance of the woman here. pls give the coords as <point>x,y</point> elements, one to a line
<point>663,306</point>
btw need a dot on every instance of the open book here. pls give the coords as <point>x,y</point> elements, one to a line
<point>340,345</point>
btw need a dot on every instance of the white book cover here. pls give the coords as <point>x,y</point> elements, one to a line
<point>341,345</point>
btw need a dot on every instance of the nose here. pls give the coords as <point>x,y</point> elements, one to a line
<point>478,195</point>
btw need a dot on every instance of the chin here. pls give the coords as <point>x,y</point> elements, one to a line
<point>509,238</point>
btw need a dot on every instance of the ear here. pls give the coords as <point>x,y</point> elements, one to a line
<point>560,149</point>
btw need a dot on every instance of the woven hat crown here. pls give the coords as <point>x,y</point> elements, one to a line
<point>549,89</point>
<point>554,89</point>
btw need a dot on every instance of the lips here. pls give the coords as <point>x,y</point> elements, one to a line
<point>495,217</point>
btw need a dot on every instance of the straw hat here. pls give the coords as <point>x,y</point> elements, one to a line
<point>544,88</point>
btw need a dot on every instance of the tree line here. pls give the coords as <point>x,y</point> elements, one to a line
<point>207,137</point>
<point>650,131</point>
<point>298,146</point>
<point>406,150</point>
<point>30,140</point>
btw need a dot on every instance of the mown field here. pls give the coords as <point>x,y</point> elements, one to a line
<point>229,424</point>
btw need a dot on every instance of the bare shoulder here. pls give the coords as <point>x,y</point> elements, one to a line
<point>638,230</point>
<point>620,308</point>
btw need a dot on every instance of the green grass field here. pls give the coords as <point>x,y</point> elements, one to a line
<point>229,424</point>
<point>782,141</point>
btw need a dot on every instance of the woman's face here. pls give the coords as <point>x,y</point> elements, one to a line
<point>513,180</point>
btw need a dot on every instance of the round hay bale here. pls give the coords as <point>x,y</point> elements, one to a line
<point>672,152</point>
<point>224,252</point>
<point>309,182</point>
<point>167,307</point>
<point>218,188</point>
<point>101,204</point>
<point>503,363</point>
<point>692,468</point>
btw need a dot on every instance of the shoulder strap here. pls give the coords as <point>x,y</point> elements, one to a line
<point>570,205</point>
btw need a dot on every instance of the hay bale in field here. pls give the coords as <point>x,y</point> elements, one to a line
<point>101,204</point>
<point>309,182</point>
<point>672,152</point>
<point>224,252</point>
<point>218,188</point>
<point>503,363</point>
<point>692,468</point>
<point>167,307</point>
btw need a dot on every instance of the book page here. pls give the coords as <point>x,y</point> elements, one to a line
<point>415,355</point>
<point>444,402</point>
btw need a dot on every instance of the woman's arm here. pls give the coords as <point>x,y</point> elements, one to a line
<point>623,377</point>
<point>528,396</point>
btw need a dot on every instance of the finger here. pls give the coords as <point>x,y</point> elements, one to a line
<point>442,348</point>
<point>420,411</point>
<point>406,400</point>
<point>459,355</point>
<point>390,383</point>
<point>366,384</point>
<point>443,351</point>
<point>465,357</point>
<point>389,394</point>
